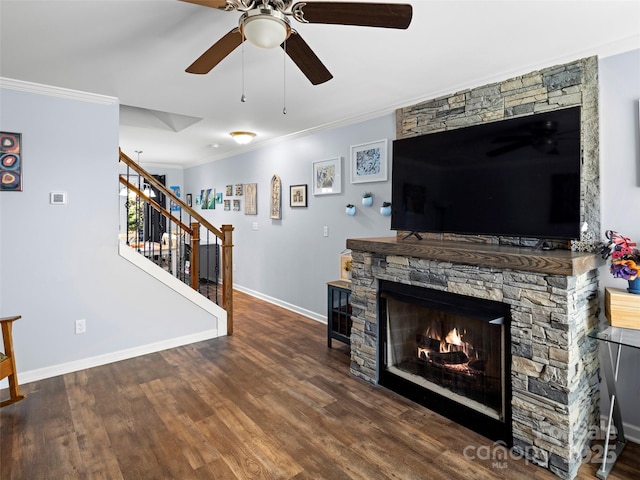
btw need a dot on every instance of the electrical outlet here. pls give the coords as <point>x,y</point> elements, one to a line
<point>81,326</point>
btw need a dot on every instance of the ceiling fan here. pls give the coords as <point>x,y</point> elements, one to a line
<point>265,23</point>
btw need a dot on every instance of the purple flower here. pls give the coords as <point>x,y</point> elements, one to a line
<point>621,270</point>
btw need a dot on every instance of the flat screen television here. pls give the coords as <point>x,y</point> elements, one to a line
<point>517,177</point>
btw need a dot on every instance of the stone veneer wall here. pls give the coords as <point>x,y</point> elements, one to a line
<point>554,370</point>
<point>562,86</point>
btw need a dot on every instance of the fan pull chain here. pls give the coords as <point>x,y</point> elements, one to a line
<point>243,98</point>
<point>284,79</point>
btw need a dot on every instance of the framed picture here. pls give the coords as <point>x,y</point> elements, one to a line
<point>369,162</point>
<point>176,191</point>
<point>10,162</point>
<point>251,199</point>
<point>227,205</point>
<point>229,190</point>
<point>189,200</point>
<point>298,195</point>
<point>239,189</point>
<point>236,205</point>
<point>326,176</point>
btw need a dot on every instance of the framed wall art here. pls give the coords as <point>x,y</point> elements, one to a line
<point>10,162</point>
<point>251,199</point>
<point>276,198</point>
<point>369,162</point>
<point>176,191</point>
<point>189,200</point>
<point>298,195</point>
<point>326,176</point>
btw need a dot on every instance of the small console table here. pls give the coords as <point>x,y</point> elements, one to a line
<point>615,338</point>
<point>339,311</point>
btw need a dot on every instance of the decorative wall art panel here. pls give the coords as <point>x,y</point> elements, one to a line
<point>251,199</point>
<point>276,198</point>
<point>10,162</point>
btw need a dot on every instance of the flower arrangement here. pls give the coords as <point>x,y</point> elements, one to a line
<point>625,257</point>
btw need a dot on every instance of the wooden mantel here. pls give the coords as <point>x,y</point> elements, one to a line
<point>551,262</point>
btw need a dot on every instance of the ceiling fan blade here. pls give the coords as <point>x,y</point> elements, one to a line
<point>220,4</point>
<point>387,15</point>
<point>216,53</point>
<point>306,60</point>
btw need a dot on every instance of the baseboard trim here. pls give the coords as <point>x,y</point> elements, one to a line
<point>280,303</point>
<point>631,432</point>
<point>90,362</point>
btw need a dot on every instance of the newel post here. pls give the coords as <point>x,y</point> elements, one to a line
<point>227,275</point>
<point>194,258</point>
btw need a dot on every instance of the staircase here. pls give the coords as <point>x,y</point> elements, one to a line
<point>158,227</point>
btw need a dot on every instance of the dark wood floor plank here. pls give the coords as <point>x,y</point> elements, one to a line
<point>270,401</point>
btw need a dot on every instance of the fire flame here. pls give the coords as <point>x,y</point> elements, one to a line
<point>452,338</point>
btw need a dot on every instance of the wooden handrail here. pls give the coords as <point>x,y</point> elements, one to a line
<point>203,221</point>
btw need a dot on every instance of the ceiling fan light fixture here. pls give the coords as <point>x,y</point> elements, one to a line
<point>265,27</point>
<point>242,137</point>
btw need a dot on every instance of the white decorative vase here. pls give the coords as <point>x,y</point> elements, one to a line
<point>367,201</point>
<point>385,211</point>
<point>351,211</point>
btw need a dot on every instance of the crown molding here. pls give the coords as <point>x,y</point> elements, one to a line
<point>52,91</point>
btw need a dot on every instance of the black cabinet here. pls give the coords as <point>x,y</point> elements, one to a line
<point>339,312</point>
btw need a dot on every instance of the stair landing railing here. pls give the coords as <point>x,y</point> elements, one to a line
<point>177,237</point>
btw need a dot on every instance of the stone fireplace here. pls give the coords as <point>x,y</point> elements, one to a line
<point>553,304</point>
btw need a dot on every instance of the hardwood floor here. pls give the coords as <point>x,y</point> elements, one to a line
<point>271,401</point>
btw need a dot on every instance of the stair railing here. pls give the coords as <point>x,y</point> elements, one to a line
<point>178,238</point>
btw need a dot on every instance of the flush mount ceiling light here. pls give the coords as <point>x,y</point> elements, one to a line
<point>242,137</point>
<point>265,27</point>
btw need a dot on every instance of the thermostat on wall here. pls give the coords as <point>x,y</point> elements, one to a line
<point>58,198</point>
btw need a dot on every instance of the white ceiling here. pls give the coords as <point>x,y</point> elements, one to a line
<point>138,50</point>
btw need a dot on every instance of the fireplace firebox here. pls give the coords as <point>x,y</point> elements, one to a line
<point>448,352</point>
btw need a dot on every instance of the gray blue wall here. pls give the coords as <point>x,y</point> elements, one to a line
<point>59,264</point>
<point>620,193</point>
<point>289,261</point>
